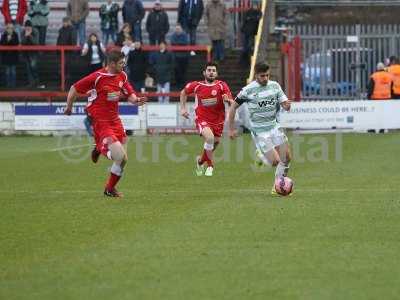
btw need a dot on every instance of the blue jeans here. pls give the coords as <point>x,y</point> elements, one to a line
<point>81,32</point>
<point>11,76</point>
<point>218,48</point>
<point>137,31</point>
<point>107,34</point>
<point>163,88</point>
<point>31,69</point>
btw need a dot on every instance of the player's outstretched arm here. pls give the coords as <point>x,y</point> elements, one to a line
<point>231,119</point>
<point>183,99</point>
<point>72,95</point>
<point>286,105</point>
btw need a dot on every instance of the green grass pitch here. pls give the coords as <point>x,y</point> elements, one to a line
<point>176,236</point>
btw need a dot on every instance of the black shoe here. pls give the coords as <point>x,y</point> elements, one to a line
<point>95,155</point>
<point>113,193</point>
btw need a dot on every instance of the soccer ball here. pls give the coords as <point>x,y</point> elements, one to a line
<point>283,185</point>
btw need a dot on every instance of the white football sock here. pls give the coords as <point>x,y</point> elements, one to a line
<point>282,169</point>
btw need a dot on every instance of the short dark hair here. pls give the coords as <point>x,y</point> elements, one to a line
<point>211,64</point>
<point>114,56</point>
<point>261,68</point>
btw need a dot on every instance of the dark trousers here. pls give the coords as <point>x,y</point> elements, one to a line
<point>218,49</point>
<point>31,70</point>
<point>191,31</point>
<point>156,39</point>
<point>180,68</point>
<point>42,34</point>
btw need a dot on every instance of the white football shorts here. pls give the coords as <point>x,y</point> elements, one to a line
<point>266,141</point>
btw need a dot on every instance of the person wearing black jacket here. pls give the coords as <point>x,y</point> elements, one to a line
<point>10,58</point>
<point>249,29</point>
<point>133,13</point>
<point>163,66</point>
<point>137,65</point>
<point>157,24</point>
<point>189,16</point>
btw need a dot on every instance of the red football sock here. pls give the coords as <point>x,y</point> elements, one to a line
<point>203,157</point>
<point>112,181</point>
<point>209,154</point>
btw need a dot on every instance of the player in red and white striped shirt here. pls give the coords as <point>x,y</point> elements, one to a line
<point>210,96</point>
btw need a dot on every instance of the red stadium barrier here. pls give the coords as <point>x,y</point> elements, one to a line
<point>51,95</point>
<point>63,49</point>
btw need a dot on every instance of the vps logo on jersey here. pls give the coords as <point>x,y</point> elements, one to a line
<point>267,102</point>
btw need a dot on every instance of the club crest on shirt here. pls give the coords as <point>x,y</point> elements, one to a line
<point>213,92</point>
<point>120,84</point>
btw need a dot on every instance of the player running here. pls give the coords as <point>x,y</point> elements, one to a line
<point>210,96</point>
<point>262,97</point>
<point>105,87</point>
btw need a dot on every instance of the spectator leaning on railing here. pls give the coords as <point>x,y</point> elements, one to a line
<point>137,65</point>
<point>10,58</point>
<point>30,37</point>
<point>67,36</point>
<point>94,53</point>
<point>14,12</point>
<point>163,65</point>
<point>38,14</point>
<point>133,13</point>
<point>180,38</point>
<point>124,35</point>
<point>77,11</point>
<point>109,21</point>
<point>157,24</point>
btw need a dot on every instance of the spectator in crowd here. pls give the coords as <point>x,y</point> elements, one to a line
<point>394,70</point>
<point>128,45</point>
<point>77,11</point>
<point>133,13</point>
<point>14,12</point>
<point>137,65</point>
<point>109,21</point>
<point>216,25</point>
<point>180,38</point>
<point>380,84</point>
<point>189,16</point>
<point>10,58</point>
<point>124,35</point>
<point>249,28</point>
<point>30,36</point>
<point>67,33</point>
<point>67,36</point>
<point>94,53</point>
<point>163,65</point>
<point>157,24</point>
<point>38,13</point>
